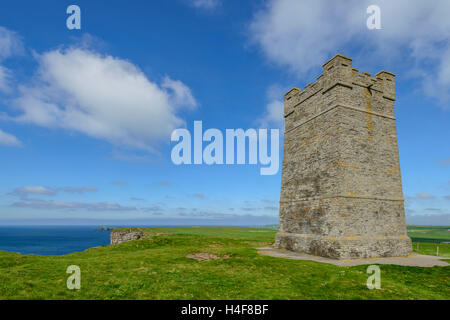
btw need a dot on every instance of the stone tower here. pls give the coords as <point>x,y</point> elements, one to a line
<point>341,190</point>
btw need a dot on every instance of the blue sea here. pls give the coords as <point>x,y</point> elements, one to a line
<point>51,240</point>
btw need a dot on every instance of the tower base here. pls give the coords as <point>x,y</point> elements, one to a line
<point>345,247</point>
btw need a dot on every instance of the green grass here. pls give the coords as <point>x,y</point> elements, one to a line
<point>427,238</point>
<point>430,249</point>
<point>157,268</point>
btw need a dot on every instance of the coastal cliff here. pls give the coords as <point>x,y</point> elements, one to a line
<point>121,235</point>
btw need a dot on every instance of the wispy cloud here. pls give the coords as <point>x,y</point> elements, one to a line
<point>7,139</point>
<point>119,182</point>
<point>268,201</point>
<point>136,199</point>
<point>299,35</point>
<point>88,206</point>
<point>10,45</point>
<point>430,219</point>
<point>5,79</point>
<point>215,215</point>
<point>445,162</point>
<point>79,189</point>
<point>208,5</point>
<point>154,210</point>
<point>273,116</point>
<point>27,190</point>
<point>49,191</point>
<point>424,195</point>
<point>269,208</point>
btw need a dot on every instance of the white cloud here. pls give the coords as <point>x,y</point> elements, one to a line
<point>7,139</point>
<point>119,182</point>
<point>438,85</point>
<point>205,4</point>
<point>273,116</point>
<point>430,219</point>
<point>10,45</point>
<point>5,78</point>
<point>302,34</point>
<point>424,195</point>
<point>199,195</point>
<point>42,190</point>
<point>103,97</point>
<point>27,190</point>
<point>180,93</point>
<point>79,189</point>
<point>88,206</point>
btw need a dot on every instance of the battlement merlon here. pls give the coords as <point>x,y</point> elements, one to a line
<point>387,81</point>
<point>338,68</point>
<point>339,71</point>
<point>289,102</point>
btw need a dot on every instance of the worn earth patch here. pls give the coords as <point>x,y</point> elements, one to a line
<point>204,256</point>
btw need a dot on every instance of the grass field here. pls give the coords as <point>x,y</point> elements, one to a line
<point>427,238</point>
<point>159,269</point>
<point>430,249</point>
<point>429,233</point>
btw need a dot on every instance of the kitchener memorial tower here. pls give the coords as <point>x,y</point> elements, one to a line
<point>341,189</point>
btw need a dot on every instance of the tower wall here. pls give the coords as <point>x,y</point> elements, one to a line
<point>341,193</point>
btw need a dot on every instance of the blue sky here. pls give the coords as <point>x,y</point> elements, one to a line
<point>86,115</point>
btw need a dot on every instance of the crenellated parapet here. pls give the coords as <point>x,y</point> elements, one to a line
<point>339,73</point>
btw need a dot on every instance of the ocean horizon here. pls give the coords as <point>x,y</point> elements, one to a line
<point>51,240</point>
<point>55,240</point>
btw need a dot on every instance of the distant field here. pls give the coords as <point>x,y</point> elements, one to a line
<point>426,239</point>
<point>417,233</point>
<point>429,233</point>
<point>429,238</point>
<point>160,267</point>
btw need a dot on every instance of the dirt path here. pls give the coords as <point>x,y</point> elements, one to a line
<point>415,260</point>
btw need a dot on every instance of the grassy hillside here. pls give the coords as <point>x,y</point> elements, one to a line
<point>160,269</point>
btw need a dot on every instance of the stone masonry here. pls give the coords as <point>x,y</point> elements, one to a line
<point>120,236</point>
<point>341,190</point>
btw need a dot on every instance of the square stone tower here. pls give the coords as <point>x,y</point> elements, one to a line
<point>341,190</point>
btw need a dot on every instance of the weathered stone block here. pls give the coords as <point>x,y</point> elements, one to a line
<point>118,237</point>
